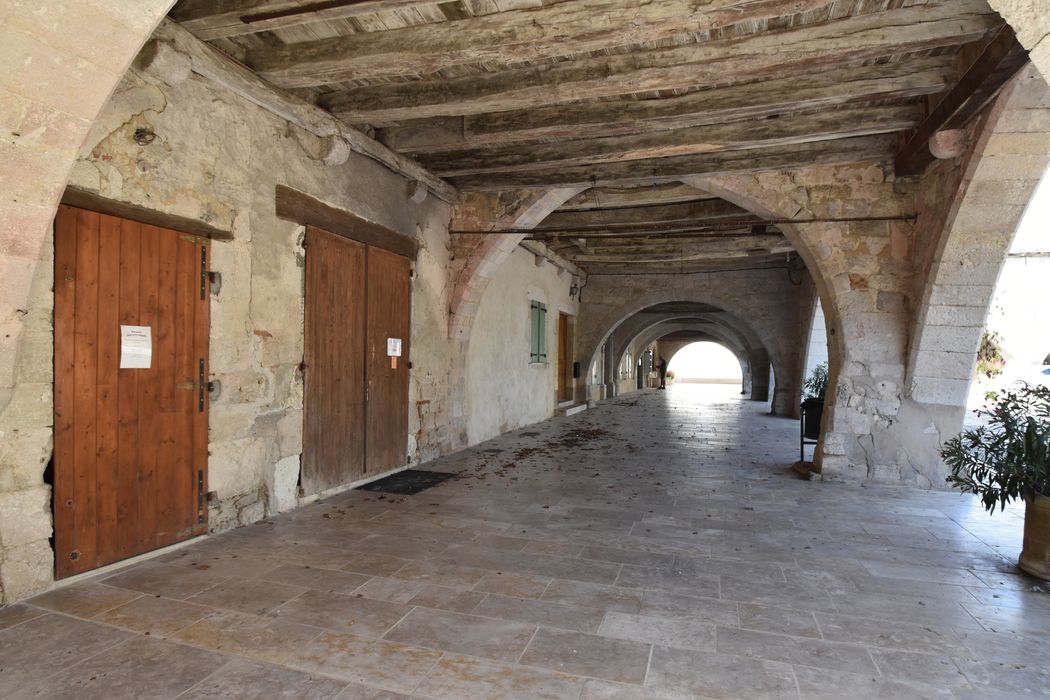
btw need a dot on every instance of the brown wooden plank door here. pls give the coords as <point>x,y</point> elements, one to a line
<point>131,444</point>
<point>389,317</point>
<point>334,357</point>
<point>564,359</point>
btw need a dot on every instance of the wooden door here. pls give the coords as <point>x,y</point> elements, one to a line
<point>334,381</point>
<point>564,359</point>
<point>388,318</point>
<point>131,445</point>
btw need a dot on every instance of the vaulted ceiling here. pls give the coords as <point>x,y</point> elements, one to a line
<point>629,96</point>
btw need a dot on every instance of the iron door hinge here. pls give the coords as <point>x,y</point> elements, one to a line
<point>205,281</point>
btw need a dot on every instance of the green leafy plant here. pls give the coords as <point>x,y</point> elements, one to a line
<point>990,360</point>
<point>1009,456</point>
<point>817,385</point>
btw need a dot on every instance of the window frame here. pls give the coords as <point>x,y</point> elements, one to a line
<point>537,332</point>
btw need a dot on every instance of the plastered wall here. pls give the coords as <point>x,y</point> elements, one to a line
<point>504,390</point>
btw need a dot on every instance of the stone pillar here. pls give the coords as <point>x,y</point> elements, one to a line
<point>759,361</point>
<point>611,377</point>
<point>60,63</point>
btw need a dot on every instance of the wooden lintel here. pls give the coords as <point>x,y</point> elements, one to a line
<point>227,73</point>
<point>1000,61</point>
<point>293,205</point>
<point>84,199</point>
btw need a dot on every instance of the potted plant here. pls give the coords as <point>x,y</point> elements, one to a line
<point>816,387</point>
<point>1009,458</point>
<point>670,377</point>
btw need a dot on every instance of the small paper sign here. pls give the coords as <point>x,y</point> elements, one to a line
<point>393,347</point>
<point>136,347</point>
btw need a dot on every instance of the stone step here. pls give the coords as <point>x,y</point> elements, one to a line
<point>571,409</point>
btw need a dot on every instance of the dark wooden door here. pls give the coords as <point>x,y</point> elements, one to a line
<point>564,359</point>
<point>389,315</point>
<point>131,445</point>
<point>334,389</point>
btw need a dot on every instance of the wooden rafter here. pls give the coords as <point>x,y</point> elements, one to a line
<point>790,93</point>
<point>744,135</point>
<point>662,170</point>
<point>542,33</point>
<point>216,19</point>
<point>752,58</point>
<point>1000,61</point>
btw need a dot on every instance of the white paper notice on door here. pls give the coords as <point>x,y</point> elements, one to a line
<point>136,347</point>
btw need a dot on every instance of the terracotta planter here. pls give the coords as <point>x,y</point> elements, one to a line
<point>1035,553</point>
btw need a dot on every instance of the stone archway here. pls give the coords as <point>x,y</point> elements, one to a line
<point>1009,157</point>
<point>857,271</point>
<point>746,357</point>
<point>729,332</point>
<point>62,62</point>
<point>748,299</point>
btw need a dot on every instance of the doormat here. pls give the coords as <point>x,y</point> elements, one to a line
<point>408,482</point>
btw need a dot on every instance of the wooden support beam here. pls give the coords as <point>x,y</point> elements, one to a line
<point>792,93</point>
<point>531,34</point>
<point>217,19</point>
<point>752,58</point>
<point>744,135</point>
<point>292,205</point>
<point>1001,60</point>
<point>227,73</point>
<point>623,198</point>
<point>662,170</point>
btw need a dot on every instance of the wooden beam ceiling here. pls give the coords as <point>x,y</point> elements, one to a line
<point>629,197</point>
<point>751,58</point>
<point>624,98</point>
<point>216,19</point>
<point>1001,60</point>
<point>662,170</point>
<point>532,34</point>
<point>735,136</point>
<point>794,92</point>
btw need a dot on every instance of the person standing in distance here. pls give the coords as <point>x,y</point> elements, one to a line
<point>663,373</point>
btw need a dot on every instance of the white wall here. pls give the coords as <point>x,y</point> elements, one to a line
<point>504,390</point>
<point>817,349</point>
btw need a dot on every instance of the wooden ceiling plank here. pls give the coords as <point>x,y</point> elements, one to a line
<point>218,19</point>
<point>530,34</point>
<point>760,133</point>
<point>625,198</point>
<point>752,58</point>
<point>662,170</point>
<point>796,92</point>
<point>691,211</point>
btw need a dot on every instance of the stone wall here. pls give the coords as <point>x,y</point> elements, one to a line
<point>217,159</point>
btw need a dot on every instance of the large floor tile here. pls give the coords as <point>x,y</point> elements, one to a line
<point>465,634</point>
<point>588,655</point>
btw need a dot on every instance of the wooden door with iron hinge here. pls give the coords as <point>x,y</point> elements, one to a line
<point>356,345</point>
<point>131,396</point>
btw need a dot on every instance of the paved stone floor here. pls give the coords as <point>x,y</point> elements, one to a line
<point>655,547</point>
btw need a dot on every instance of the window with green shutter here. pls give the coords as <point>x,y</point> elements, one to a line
<point>538,334</point>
